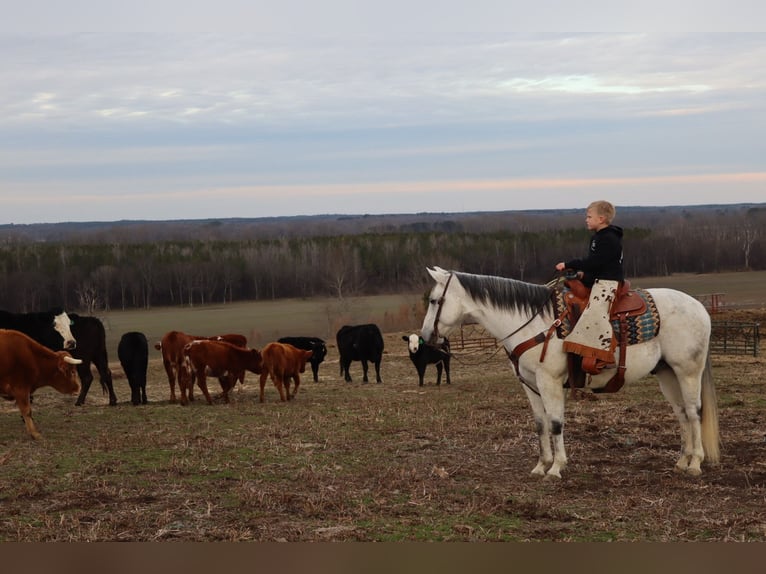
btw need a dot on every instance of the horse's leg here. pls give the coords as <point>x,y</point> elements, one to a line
<point>545,458</point>
<point>553,402</point>
<point>686,408</point>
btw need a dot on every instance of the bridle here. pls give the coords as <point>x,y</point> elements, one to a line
<point>435,334</point>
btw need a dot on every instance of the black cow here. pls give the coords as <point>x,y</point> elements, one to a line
<point>360,343</point>
<point>133,352</point>
<point>422,355</point>
<point>49,328</point>
<point>315,345</point>
<point>91,348</point>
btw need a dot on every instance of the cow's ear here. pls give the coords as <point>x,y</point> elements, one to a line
<point>405,338</point>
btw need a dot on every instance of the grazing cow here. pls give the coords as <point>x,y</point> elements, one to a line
<point>49,328</point>
<point>360,343</point>
<point>26,365</point>
<point>315,345</point>
<point>283,362</point>
<point>133,352</point>
<point>172,346</point>
<point>422,354</point>
<point>220,359</point>
<point>91,348</point>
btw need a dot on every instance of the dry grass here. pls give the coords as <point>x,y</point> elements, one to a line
<point>369,462</point>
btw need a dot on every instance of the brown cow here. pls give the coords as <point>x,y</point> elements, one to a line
<point>26,365</point>
<point>283,362</point>
<point>219,359</point>
<point>172,346</point>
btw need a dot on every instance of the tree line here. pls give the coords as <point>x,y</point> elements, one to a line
<point>121,272</point>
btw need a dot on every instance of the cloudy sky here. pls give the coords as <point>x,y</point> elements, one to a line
<point>102,126</point>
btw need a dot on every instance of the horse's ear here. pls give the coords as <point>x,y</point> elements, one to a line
<point>434,273</point>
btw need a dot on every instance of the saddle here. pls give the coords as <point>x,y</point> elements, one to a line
<point>627,304</point>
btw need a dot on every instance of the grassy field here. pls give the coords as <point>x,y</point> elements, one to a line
<point>373,462</point>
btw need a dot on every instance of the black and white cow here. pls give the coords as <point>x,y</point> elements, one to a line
<point>360,343</point>
<point>133,352</point>
<point>49,328</point>
<point>315,345</point>
<point>91,348</point>
<point>423,354</point>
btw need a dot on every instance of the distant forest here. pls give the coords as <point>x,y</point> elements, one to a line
<point>97,266</point>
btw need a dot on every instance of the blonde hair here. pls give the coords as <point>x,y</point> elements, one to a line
<point>604,208</point>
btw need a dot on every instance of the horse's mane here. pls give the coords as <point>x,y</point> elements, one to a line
<point>505,293</point>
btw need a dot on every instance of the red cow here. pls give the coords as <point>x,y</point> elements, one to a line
<point>172,346</point>
<point>26,365</point>
<point>219,359</point>
<point>283,362</point>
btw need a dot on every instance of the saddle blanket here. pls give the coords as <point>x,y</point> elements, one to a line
<point>641,328</point>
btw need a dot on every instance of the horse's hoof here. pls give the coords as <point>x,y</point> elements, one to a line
<point>552,477</point>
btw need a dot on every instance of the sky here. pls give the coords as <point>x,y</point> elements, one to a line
<point>273,114</point>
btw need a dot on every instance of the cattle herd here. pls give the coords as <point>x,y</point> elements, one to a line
<point>56,349</point>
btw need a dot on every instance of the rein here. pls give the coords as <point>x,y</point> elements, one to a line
<point>435,335</point>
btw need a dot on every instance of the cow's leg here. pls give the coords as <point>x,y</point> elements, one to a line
<point>135,391</point>
<point>421,374</point>
<point>364,370</point>
<point>86,378</point>
<point>377,372</point>
<point>279,383</point>
<point>105,375</point>
<point>264,376</point>
<point>344,369</point>
<point>297,379</point>
<point>446,369</point>
<point>202,382</point>
<point>142,385</point>
<point>315,371</point>
<point>439,373</point>
<point>171,379</point>
<point>23,402</point>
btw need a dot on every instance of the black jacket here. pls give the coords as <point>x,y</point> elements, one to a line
<point>604,260</point>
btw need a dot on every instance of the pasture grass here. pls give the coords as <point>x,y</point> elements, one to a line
<point>378,462</point>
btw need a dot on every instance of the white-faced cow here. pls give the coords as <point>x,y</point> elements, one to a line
<point>360,343</point>
<point>26,365</point>
<point>423,354</point>
<point>49,328</point>
<point>91,348</point>
<point>133,352</point>
<point>283,362</point>
<point>220,359</point>
<point>317,347</point>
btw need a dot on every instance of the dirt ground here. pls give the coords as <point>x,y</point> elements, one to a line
<point>381,462</point>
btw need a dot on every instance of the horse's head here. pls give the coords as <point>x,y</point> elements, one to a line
<point>445,311</point>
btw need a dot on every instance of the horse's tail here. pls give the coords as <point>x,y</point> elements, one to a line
<point>711,440</point>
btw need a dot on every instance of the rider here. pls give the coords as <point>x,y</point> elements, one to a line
<point>602,271</point>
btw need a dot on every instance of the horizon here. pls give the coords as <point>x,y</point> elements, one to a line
<point>383,215</point>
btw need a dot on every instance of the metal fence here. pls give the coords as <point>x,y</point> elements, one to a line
<point>735,338</point>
